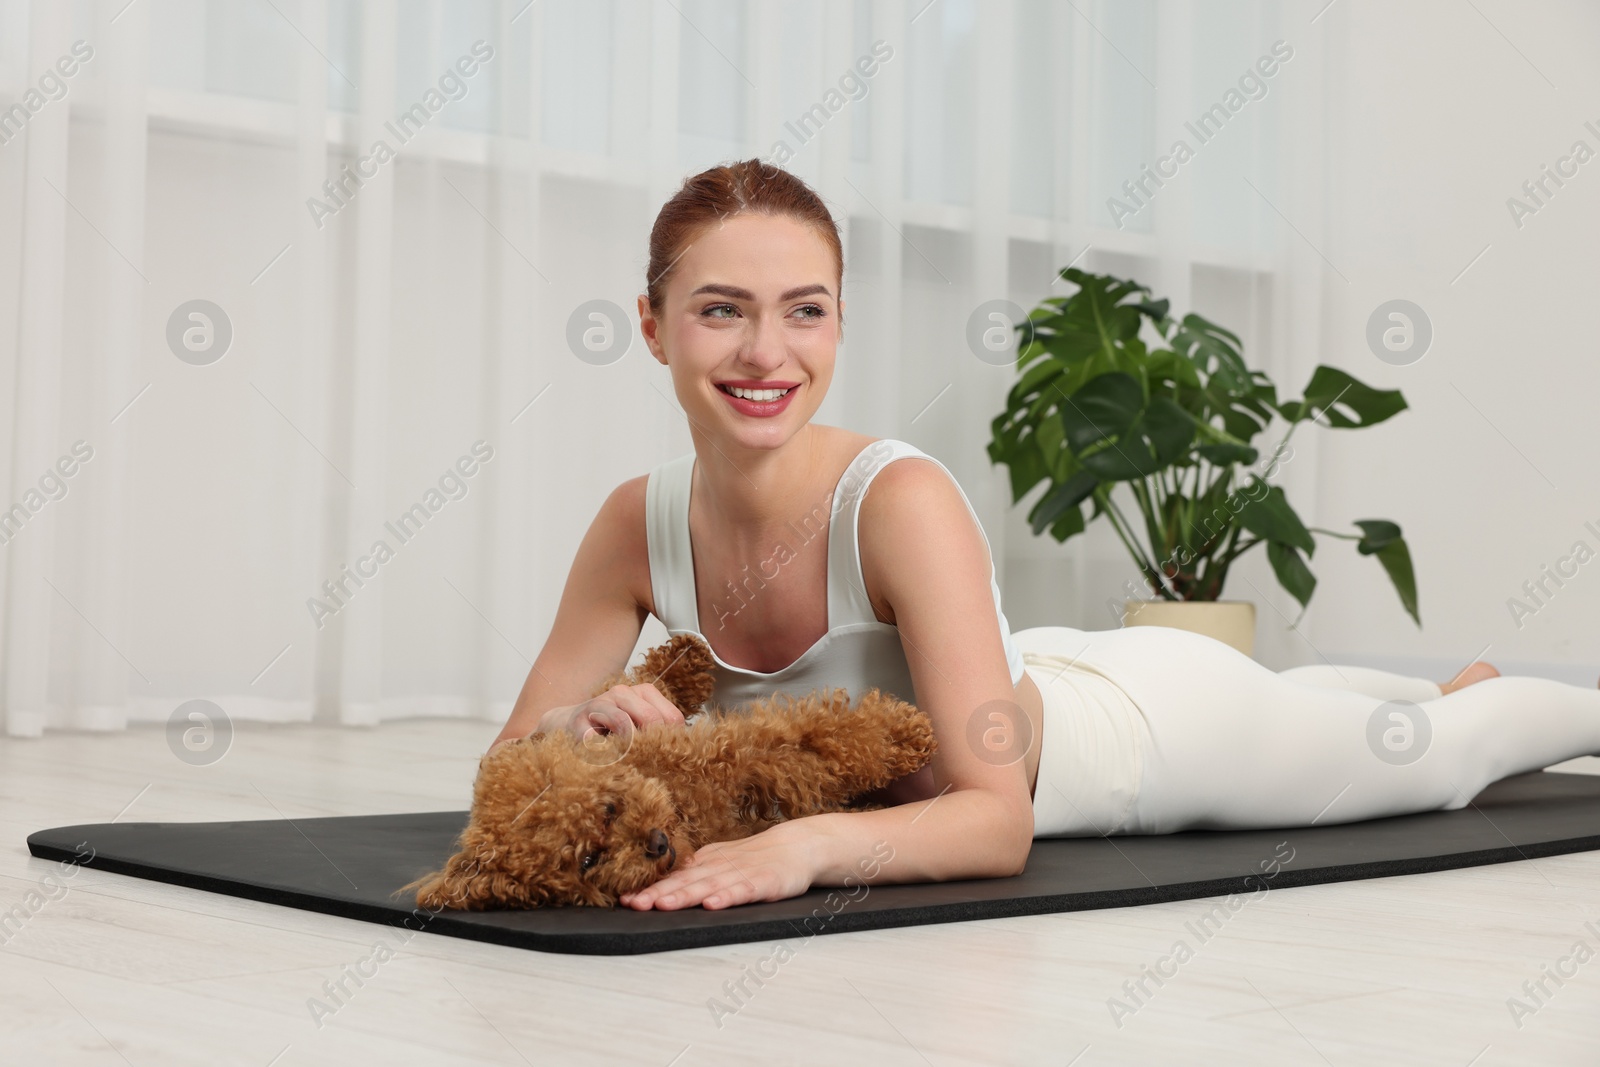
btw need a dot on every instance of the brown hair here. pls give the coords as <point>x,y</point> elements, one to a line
<point>749,185</point>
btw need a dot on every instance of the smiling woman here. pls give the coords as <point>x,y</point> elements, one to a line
<point>743,308</point>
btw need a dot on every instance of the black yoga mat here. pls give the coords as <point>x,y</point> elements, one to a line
<point>349,866</point>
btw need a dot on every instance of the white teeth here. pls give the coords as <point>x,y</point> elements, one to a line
<point>755,394</point>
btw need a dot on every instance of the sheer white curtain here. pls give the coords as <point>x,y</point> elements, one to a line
<point>382,354</point>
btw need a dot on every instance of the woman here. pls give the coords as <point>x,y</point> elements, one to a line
<point>767,542</point>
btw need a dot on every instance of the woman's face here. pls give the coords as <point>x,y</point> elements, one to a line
<point>751,301</point>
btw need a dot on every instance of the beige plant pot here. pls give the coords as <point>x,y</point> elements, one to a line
<point>1232,622</point>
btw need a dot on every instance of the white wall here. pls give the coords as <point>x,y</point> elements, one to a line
<point>1438,121</point>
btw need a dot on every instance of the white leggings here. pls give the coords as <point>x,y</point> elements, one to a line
<point>1151,730</point>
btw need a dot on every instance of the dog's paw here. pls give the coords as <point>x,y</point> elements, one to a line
<point>681,669</point>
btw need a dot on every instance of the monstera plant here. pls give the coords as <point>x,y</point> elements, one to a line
<point>1097,414</point>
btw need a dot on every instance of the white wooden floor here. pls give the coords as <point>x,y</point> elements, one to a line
<point>1414,970</point>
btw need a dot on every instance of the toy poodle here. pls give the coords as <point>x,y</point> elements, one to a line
<point>557,819</point>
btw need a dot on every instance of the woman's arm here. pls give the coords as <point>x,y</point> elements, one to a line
<point>598,620</point>
<point>928,569</point>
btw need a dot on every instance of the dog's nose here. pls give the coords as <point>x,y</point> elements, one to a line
<point>658,844</point>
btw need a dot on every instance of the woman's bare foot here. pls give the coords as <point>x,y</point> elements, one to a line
<point>1472,672</point>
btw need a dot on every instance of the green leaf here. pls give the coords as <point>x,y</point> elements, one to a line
<point>1396,560</point>
<point>1376,533</point>
<point>1033,380</point>
<point>1333,393</point>
<point>1158,437</point>
<point>1105,407</point>
<point>1027,467</point>
<point>1292,572</point>
<point>1155,310</point>
<point>1224,454</point>
<point>1069,524</point>
<point>1168,428</point>
<point>1141,452</point>
<point>1029,352</point>
<point>1167,367</point>
<point>1272,519</point>
<point>1069,494</point>
<point>1071,345</point>
<point>1111,290</point>
<point>1214,351</point>
<point>1381,538</point>
<point>1095,319</point>
<point>1052,444</point>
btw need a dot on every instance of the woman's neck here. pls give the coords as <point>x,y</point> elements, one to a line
<point>750,491</point>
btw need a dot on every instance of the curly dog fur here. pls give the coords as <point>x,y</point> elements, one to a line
<point>561,820</point>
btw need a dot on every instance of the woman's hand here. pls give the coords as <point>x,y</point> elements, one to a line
<point>775,864</point>
<point>619,709</point>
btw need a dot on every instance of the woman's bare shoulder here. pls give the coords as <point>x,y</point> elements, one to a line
<point>621,524</point>
<point>911,515</point>
<point>905,481</point>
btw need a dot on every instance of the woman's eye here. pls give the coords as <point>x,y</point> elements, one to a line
<point>816,311</point>
<point>719,307</point>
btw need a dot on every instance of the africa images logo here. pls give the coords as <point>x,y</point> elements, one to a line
<point>1252,85</point>
<point>411,121</point>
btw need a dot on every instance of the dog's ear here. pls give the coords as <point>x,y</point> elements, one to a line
<point>681,670</point>
<point>465,883</point>
<point>473,881</point>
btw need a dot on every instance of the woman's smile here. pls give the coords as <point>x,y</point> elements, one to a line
<point>765,402</point>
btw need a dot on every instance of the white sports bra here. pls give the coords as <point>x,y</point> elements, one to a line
<point>859,651</point>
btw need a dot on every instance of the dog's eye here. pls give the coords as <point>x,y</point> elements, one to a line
<point>590,860</point>
<point>611,810</point>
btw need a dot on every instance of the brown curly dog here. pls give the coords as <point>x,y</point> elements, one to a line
<point>561,820</point>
